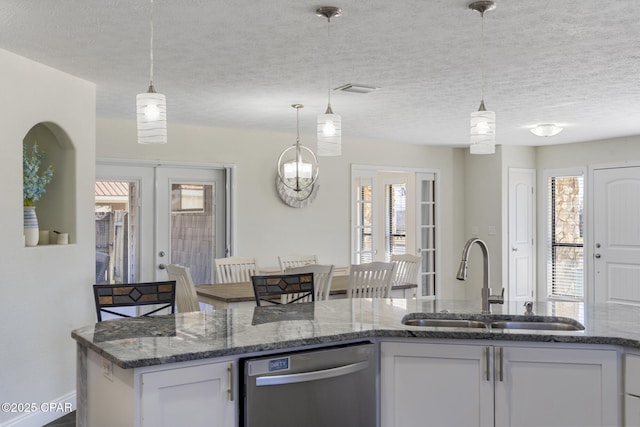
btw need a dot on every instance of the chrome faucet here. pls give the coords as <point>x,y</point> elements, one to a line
<point>487,298</point>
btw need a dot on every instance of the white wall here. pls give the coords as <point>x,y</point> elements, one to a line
<point>45,291</point>
<point>266,227</point>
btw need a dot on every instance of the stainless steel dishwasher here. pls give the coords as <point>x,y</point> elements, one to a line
<point>321,388</point>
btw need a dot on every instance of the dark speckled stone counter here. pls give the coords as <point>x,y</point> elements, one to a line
<point>136,342</point>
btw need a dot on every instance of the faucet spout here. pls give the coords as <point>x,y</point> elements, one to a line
<point>487,298</point>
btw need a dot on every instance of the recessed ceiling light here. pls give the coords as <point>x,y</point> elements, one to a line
<point>356,88</point>
<point>546,129</point>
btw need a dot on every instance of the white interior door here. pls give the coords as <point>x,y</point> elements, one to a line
<point>521,235</point>
<point>616,252</point>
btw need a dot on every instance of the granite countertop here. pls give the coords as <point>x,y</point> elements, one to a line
<point>146,341</point>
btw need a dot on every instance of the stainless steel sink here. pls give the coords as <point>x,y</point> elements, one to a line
<point>445,323</point>
<point>537,325</point>
<point>492,322</point>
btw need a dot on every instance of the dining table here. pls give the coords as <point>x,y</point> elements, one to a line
<point>230,295</point>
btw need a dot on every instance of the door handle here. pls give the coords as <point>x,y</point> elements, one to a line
<point>514,249</point>
<point>311,376</point>
<point>597,256</point>
<point>499,364</point>
<point>162,266</point>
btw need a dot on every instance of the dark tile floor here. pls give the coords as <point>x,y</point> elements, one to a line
<point>68,420</point>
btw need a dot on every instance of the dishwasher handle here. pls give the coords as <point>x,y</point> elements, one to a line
<point>311,375</point>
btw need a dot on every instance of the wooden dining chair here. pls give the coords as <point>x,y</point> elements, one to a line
<point>235,269</point>
<point>322,278</point>
<point>289,261</point>
<point>186,296</point>
<point>283,288</point>
<point>407,267</point>
<point>160,294</point>
<point>371,280</point>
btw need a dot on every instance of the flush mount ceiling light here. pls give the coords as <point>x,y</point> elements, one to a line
<point>483,122</point>
<point>297,170</point>
<point>329,124</point>
<point>546,129</point>
<point>151,107</point>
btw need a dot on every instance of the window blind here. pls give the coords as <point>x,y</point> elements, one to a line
<point>565,261</point>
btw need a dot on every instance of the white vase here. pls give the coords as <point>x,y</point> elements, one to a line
<point>31,230</point>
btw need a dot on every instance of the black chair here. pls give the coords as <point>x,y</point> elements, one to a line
<point>162,294</point>
<point>283,288</point>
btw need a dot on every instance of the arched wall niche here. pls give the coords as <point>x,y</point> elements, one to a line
<point>56,209</point>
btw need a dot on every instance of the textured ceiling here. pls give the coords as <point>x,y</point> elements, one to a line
<point>241,63</point>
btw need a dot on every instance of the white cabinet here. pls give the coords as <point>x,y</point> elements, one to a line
<point>191,396</point>
<point>497,384</point>
<point>435,384</point>
<point>197,393</point>
<point>632,390</point>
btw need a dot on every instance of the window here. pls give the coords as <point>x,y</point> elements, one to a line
<point>187,198</point>
<point>565,258</point>
<point>396,220</point>
<point>363,244</point>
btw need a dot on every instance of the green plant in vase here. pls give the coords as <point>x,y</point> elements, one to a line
<point>33,183</point>
<point>33,187</point>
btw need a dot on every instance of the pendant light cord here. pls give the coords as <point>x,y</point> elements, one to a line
<point>151,45</point>
<point>329,66</point>
<point>482,55</point>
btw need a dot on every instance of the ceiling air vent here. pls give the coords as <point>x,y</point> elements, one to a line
<point>356,88</point>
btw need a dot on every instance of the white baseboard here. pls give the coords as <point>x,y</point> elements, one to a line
<point>47,412</point>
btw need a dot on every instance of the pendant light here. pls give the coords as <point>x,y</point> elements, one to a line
<point>151,107</point>
<point>329,124</point>
<point>298,165</point>
<point>483,122</point>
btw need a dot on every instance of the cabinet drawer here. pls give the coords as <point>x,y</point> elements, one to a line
<point>631,411</point>
<point>632,374</point>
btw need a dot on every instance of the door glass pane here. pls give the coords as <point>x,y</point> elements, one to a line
<point>427,235</point>
<point>364,221</point>
<point>565,263</point>
<point>116,236</point>
<point>395,232</point>
<point>192,231</point>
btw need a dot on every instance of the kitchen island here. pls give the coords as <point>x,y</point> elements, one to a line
<point>115,356</point>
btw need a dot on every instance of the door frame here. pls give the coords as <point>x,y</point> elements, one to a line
<point>374,172</point>
<point>230,190</point>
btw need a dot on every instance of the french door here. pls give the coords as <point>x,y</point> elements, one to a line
<point>395,212</point>
<point>158,215</point>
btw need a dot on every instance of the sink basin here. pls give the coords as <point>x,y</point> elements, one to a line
<point>445,323</point>
<point>493,322</point>
<point>536,325</point>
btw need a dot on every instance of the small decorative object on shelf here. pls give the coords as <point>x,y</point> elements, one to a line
<point>33,187</point>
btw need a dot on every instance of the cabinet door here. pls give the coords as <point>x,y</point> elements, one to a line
<point>435,385</point>
<point>192,396</point>
<point>556,387</point>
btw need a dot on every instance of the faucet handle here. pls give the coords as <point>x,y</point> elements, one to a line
<point>497,299</point>
<point>528,306</point>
